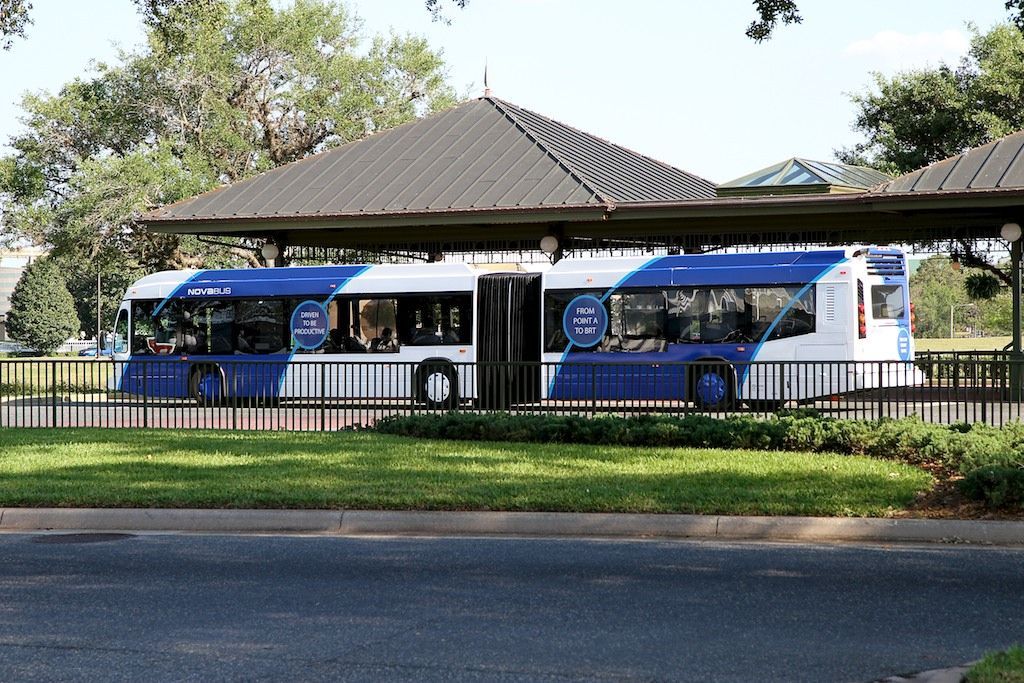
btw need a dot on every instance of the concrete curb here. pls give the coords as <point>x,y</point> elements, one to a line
<point>357,522</point>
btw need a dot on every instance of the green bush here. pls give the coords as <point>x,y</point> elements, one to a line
<point>997,485</point>
<point>960,447</point>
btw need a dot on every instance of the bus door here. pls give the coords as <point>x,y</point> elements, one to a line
<point>508,342</point>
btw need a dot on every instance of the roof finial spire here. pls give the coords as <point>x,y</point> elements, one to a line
<point>487,91</point>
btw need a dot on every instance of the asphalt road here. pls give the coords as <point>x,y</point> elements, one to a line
<point>181,607</point>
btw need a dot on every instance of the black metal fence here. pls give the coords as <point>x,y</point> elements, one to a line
<point>307,394</point>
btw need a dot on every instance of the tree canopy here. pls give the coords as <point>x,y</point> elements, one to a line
<point>14,18</point>
<point>221,91</point>
<point>918,117</point>
<point>921,116</point>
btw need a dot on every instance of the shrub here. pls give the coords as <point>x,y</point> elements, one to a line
<point>997,485</point>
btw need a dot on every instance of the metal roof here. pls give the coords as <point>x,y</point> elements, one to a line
<point>997,165</point>
<point>483,154</point>
<point>805,175</point>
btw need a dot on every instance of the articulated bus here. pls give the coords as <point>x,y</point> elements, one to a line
<point>677,328</point>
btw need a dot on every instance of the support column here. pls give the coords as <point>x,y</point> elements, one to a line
<point>1016,357</point>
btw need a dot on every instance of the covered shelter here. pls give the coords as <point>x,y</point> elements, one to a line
<point>803,176</point>
<point>486,175</point>
<point>490,177</point>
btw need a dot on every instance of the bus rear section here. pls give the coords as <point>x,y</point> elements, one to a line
<point>885,322</point>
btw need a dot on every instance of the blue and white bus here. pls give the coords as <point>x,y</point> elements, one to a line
<point>610,328</point>
<point>739,322</point>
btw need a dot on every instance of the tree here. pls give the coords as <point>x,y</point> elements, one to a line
<point>222,90</point>
<point>157,14</point>
<point>42,313</point>
<point>436,9</point>
<point>14,18</point>
<point>918,117</point>
<point>936,289</point>
<point>769,14</point>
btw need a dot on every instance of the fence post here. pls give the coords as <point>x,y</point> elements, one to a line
<point>782,385</point>
<point>879,388</point>
<point>323,396</point>
<point>984,394</point>
<point>53,392</point>
<point>145,396</point>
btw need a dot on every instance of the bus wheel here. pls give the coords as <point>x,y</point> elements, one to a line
<point>713,387</point>
<point>207,385</point>
<point>437,385</point>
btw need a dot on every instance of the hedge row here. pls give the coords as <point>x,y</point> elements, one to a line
<point>991,458</point>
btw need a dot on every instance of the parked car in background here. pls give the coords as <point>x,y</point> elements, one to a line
<point>13,348</point>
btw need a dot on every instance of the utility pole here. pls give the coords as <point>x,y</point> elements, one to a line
<point>99,310</point>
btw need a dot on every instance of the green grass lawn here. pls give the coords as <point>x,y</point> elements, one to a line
<point>121,468</point>
<point>962,344</point>
<point>999,667</point>
<point>40,375</point>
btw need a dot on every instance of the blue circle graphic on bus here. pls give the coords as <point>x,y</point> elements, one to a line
<point>585,320</point>
<point>309,324</point>
<point>903,344</point>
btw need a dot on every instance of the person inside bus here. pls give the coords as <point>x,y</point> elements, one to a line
<point>385,343</point>
<point>335,342</point>
<point>186,338</point>
<point>448,335</point>
<point>244,343</point>
<point>426,334</point>
<point>354,342</point>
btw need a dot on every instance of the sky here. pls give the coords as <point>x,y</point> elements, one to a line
<point>676,80</point>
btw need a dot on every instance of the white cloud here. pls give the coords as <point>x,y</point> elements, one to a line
<point>902,50</point>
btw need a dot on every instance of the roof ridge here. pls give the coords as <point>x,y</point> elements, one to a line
<point>497,104</point>
<point>663,164</point>
<point>280,169</point>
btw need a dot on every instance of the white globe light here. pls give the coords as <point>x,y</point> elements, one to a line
<point>1010,232</point>
<point>269,252</point>
<point>549,244</point>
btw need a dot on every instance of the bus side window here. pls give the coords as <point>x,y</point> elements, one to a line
<point>143,329</point>
<point>769,303</point>
<point>377,324</point>
<point>259,323</point>
<point>637,322</point>
<point>434,320</point>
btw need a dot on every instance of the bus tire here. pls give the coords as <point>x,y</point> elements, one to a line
<point>713,386</point>
<point>207,385</point>
<point>437,385</point>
